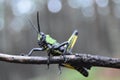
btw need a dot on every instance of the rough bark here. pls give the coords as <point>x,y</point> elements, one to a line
<point>94,60</point>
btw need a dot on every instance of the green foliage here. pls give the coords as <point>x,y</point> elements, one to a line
<point>69,74</point>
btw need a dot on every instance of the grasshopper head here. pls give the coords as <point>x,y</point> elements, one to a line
<point>41,39</point>
<point>40,36</point>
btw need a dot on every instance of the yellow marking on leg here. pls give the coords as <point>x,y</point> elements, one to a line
<point>68,66</point>
<point>72,42</point>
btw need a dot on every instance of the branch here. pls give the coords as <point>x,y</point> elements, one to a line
<point>94,60</point>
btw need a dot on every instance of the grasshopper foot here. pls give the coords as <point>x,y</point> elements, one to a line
<point>22,54</point>
<point>48,62</point>
<point>59,67</point>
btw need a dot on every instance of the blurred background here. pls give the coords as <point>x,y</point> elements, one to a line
<point>98,23</point>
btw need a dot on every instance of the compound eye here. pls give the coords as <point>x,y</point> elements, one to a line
<point>42,34</point>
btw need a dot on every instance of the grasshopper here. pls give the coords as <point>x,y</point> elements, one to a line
<point>54,48</point>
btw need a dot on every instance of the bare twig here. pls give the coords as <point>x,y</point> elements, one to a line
<point>93,60</point>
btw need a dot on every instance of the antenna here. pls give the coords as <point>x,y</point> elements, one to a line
<point>32,24</point>
<point>38,22</point>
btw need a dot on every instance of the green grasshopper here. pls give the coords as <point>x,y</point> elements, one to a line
<point>47,43</point>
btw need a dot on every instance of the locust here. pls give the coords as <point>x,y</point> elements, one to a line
<point>54,48</point>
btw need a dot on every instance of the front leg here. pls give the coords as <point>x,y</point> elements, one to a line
<point>34,49</point>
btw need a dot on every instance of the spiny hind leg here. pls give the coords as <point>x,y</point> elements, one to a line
<point>63,54</point>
